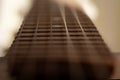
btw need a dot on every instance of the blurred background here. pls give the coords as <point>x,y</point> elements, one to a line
<point>108,22</point>
<point>104,13</point>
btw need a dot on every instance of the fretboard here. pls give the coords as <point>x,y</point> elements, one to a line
<point>56,33</point>
<point>53,28</point>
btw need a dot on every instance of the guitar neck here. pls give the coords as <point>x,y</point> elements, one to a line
<point>54,34</point>
<point>52,28</point>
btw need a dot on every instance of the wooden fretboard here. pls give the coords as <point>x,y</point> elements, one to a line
<point>56,42</point>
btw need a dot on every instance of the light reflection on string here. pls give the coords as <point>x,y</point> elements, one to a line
<point>90,56</point>
<point>72,54</point>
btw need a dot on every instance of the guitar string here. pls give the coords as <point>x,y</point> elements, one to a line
<point>96,56</point>
<point>83,31</point>
<point>33,42</point>
<point>70,46</point>
<point>72,54</point>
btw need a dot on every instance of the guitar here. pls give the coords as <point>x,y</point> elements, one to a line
<point>56,42</point>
